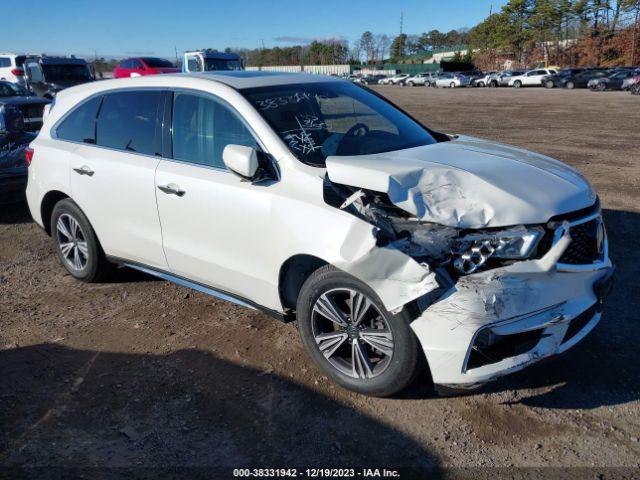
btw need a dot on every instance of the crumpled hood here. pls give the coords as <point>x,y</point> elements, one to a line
<point>469,183</point>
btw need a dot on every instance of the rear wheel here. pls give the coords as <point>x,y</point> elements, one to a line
<point>549,84</point>
<point>481,84</point>
<point>601,87</point>
<point>452,85</point>
<point>351,336</point>
<point>517,84</point>
<point>410,84</point>
<point>76,243</point>
<point>570,85</point>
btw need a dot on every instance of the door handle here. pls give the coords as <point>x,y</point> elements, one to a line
<point>84,170</point>
<point>171,189</point>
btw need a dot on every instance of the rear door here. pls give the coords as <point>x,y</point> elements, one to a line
<point>215,226</point>
<point>113,169</point>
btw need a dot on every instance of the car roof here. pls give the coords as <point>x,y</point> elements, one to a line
<point>235,79</point>
<point>240,79</point>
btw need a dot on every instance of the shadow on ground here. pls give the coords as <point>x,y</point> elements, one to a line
<point>72,408</point>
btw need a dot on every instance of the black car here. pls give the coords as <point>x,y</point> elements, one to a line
<point>612,82</point>
<point>551,81</point>
<point>13,142</point>
<point>30,106</point>
<point>581,80</point>
<point>46,76</point>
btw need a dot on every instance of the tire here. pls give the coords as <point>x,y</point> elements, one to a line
<point>452,85</point>
<point>481,84</point>
<point>517,84</point>
<point>570,85</point>
<point>410,84</point>
<point>493,84</point>
<point>549,84</point>
<point>384,372</point>
<point>71,229</point>
<point>601,87</point>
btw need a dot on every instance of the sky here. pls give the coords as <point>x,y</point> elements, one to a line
<point>144,27</point>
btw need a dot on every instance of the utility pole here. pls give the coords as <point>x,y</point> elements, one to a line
<point>635,35</point>
<point>401,42</point>
<point>175,50</point>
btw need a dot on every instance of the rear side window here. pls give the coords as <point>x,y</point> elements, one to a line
<point>129,121</point>
<point>5,62</point>
<point>80,124</point>
<point>202,127</point>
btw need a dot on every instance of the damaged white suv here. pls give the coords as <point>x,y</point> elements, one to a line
<point>314,199</point>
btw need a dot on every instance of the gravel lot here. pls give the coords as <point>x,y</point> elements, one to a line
<point>140,373</point>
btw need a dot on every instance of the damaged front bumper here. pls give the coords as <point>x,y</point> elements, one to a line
<point>499,321</point>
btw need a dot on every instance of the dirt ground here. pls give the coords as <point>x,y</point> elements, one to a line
<point>142,374</point>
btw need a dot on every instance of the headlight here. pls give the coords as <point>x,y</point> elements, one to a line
<point>472,251</point>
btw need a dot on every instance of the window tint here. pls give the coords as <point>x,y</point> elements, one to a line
<point>80,125</point>
<point>202,127</point>
<point>128,121</point>
<point>5,62</point>
<point>192,63</point>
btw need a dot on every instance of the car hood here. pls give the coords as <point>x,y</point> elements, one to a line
<point>468,183</point>
<point>20,100</point>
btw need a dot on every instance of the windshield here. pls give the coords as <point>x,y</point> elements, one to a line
<point>220,64</point>
<point>54,73</point>
<point>317,120</point>
<point>158,63</point>
<point>11,90</point>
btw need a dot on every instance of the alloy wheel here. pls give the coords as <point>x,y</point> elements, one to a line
<point>351,333</point>
<point>72,242</point>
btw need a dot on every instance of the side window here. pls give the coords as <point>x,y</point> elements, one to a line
<point>125,64</point>
<point>35,74</point>
<point>192,63</point>
<point>128,121</point>
<point>80,125</point>
<point>202,127</point>
<point>5,62</point>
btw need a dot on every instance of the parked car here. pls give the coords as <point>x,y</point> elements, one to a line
<point>384,239</point>
<point>501,79</point>
<point>11,68</point>
<point>421,79</point>
<point>612,82</point>
<point>394,79</point>
<point>137,67</point>
<point>210,60</point>
<point>532,78</point>
<point>482,81</point>
<point>31,107</point>
<point>631,82</point>
<point>14,141</point>
<point>550,81</point>
<point>46,76</point>
<point>580,80</point>
<point>369,79</point>
<point>451,80</point>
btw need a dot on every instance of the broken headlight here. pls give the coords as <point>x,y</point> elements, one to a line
<point>473,251</point>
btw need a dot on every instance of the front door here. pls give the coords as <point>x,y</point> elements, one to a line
<point>215,227</point>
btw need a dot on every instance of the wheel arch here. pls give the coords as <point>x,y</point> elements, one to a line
<point>46,207</point>
<point>293,273</point>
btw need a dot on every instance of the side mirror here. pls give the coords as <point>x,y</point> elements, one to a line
<point>241,160</point>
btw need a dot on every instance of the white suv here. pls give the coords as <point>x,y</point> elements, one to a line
<point>11,68</point>
<point>314,199</point>
<point>532,78</point>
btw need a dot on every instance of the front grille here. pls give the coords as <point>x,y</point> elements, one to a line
<point>583,249</point>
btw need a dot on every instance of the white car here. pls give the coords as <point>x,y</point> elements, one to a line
<point>11,68</point>
<point>532,78</point>
<point>394,80</point>
<point>310,198</point>
<point>421,79</point>
<point>451,80</point>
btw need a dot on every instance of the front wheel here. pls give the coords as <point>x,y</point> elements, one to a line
<point>549,84</point>
<point>452,85</point>
<point>480,84</point>
<point>351,336</point>
<point>517,84</point>
<point>410,84</point>
<point>570,85</point>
